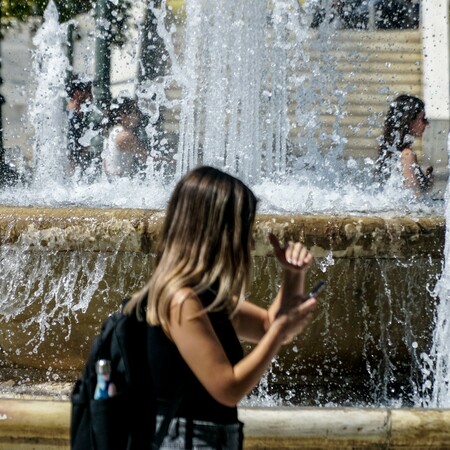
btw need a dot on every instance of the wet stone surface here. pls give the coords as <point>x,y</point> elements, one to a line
<point>35,391</point>
<point>22,384</point>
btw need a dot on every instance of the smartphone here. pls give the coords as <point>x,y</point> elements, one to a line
<point>317,288</point>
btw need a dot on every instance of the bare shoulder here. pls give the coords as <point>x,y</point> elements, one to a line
<point>183,295</point>
<point>409,155</point>
<point>184,304</point>
<point>124,138</point>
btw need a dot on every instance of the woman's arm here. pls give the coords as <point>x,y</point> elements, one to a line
<point>250,321</point>
<point>415,179</point>
<point>127,141</point>
<point>200,347</point>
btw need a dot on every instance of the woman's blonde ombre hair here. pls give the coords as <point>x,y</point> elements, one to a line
<point>205,242</point>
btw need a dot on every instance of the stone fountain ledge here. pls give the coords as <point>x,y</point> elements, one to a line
<point>82,261</point>
<point>136,230</point>
<point>44,425</point>
<point>38,416</point>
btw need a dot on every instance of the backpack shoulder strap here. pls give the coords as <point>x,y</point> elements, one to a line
<point>162,430</point>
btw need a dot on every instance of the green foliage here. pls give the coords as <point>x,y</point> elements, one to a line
<point>68,9</point>
<point>22,10</point>
<point>120,17</point>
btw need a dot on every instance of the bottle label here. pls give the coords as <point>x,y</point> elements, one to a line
<point>101,390</point>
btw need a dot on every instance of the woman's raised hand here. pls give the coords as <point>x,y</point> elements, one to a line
<point>292,309</point>
<point>294,256</point>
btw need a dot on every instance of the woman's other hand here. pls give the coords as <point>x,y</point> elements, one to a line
<point>293,318</point>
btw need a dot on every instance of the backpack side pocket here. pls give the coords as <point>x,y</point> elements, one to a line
<point>110,426</point>
<point>80,421</point>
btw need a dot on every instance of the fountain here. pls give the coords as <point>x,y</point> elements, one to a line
<point>66,245</point>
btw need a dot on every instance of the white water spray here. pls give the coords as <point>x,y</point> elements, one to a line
<point>240,77</point>
<point>49,67</point>
<point>255,83</point>
<point>437,363</point>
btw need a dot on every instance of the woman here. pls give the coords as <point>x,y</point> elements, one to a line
<point>195,302</point>
<point>404,122</point>
<point>124,152</point>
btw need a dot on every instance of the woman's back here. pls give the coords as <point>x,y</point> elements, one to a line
<point>116,160</point>
<point>172,377</point>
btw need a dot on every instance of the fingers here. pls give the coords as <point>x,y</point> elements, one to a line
<point>299,318</point>
<point>294,253</point>
<point>297,254</point>
<point>308,305</point>
<point>305,315</point>
<point>297,306</point>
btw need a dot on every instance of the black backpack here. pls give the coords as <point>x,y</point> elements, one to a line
<point>125,421</point>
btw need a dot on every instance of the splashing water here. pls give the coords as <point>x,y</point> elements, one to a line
<point>251,102</point>
<point>436,364</point>
<point>49,66</point>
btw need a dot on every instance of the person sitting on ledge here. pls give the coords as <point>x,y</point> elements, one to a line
<point>124,152</point>
<point>404,122</point>
<point>79,109</point>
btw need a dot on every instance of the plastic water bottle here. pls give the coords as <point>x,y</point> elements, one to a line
<point>104,388</point>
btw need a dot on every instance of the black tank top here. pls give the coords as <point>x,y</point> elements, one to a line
<point>172,377</point>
